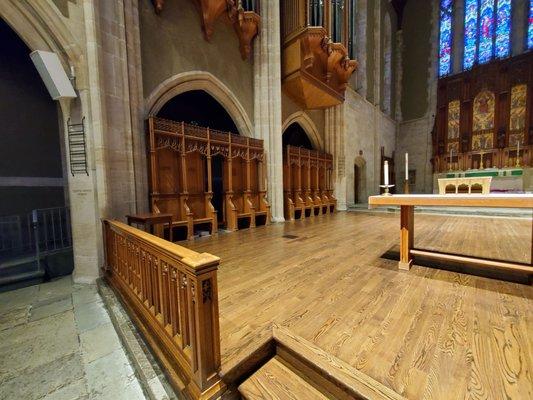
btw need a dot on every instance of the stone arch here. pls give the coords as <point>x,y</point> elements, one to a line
<point>360,189</point>
<point>41,26</point>
<point>199,80</point>
<point>307,125</point>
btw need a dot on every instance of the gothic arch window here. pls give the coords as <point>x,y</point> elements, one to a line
<point>486,32</point>
<point>387,65</point>
<point>445,37</point>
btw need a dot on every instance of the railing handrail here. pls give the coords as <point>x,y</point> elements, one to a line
<point>172,294</point>
<point>197,262</point>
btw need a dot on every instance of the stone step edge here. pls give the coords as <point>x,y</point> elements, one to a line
<point>154,387</point>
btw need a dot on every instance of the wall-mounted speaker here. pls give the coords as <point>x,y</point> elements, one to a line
<point>53,74</point>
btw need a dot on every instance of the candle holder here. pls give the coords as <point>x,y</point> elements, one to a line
<point>517,160</point>
<point>406,186</point>
<point>386,187</point>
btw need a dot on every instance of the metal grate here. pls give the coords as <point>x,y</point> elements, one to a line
<point>77,148</point>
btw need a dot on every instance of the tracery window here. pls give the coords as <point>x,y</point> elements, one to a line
<point>486,35</point>
<point>445,37</point>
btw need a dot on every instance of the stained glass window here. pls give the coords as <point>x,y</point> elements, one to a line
<point>486,31</point>
<point>503,28</point>
<point>471,14</point>
<point>530,27</point>
<point>445,37</point>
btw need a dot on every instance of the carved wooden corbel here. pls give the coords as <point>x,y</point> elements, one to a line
<point>247,27</point>
<point>210,11</point>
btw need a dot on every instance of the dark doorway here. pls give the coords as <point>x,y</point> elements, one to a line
<point>198,107</point>
<point>356,183</point>
<point>295,135</point>
<point>217,171</point>
<point>35,238</point>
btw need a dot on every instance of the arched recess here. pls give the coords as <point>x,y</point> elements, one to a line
<point>307,125</point>
<point>359,180</point>
<point>199,80</point>
<point>41,26</point>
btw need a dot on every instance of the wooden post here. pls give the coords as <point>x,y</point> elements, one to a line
<point>153,158</point>
<point>209,172</point>
<point>407,218</point>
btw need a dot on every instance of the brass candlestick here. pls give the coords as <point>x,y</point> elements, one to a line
<point>481,162</point>
<point>386,187</point>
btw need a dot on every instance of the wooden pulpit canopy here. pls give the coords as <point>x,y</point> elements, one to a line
<point>181,175</point>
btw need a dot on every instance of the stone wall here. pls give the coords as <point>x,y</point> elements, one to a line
<point>359,130</point>
<point>173,43</point>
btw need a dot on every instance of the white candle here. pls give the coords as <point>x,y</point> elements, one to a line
<point>406,166</point>
<point>386,173</point>
<point>518,149</point>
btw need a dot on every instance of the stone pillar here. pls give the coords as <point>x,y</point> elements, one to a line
<point>335,131</point>
<point>361,46</point>
<point>267,102</point>
<point>399,76</point>
<point>457,40</point>
<point>520,11</point>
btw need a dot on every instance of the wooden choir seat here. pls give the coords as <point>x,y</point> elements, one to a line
<point>181,175</point>
<point>306,183</point>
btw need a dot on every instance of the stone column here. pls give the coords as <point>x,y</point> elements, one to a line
<point>399,76</point>
<point>361,46</point>
<point>335,131</point>
<point>267,102</point>
<point>457,40</point>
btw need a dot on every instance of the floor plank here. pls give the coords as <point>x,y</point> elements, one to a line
<point>426,333</point>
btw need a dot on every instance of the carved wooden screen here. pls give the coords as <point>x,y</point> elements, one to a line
<point>517,115</point>
<point>483,121</point>
<point>454,118</point>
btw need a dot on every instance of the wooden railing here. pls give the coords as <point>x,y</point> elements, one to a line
<point>171,293</point>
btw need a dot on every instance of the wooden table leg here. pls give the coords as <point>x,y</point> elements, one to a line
<point>407,224</point>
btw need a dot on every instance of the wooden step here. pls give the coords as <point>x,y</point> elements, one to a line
<point>275,380</point>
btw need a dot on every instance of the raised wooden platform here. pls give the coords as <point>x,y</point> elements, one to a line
<point>428,333</point>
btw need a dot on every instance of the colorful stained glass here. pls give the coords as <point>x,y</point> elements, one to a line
<point>471,33</point>
<point>503,28</point>
<point>445,40</point>
<point>486,31</point>
<point>530,27</point>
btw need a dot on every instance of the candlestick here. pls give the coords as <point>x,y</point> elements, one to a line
<point>451,158</point>
<point>406,166</point>
<point>386,173</point>
<point>518,154</point>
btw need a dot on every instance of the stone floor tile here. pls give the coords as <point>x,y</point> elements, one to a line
<point>74,391</point>
<point>85,294</point>
<point>17,298</point>
<point>37,382</point>
<point>90,315</point>
<point>50,309</point>
<point>99,342</point>
<point>112,378</point>
<point>14,317</point>
<point>55,289</point>
<point>56,338</point>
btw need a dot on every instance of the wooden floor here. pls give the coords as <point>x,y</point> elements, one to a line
<point>427,333</point>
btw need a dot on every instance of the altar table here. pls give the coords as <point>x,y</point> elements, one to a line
<point>407,205</point>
